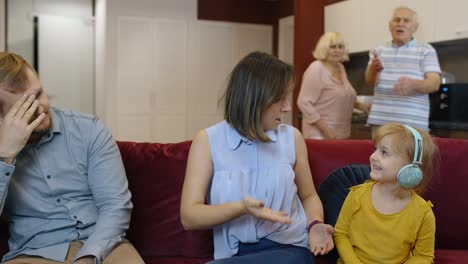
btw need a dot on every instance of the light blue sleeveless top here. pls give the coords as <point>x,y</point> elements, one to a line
<point>262,170</point>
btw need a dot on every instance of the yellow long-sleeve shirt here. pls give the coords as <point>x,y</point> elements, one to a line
<point>363,235</point>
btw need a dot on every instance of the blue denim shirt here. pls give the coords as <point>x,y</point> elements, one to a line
<point>70,186</point>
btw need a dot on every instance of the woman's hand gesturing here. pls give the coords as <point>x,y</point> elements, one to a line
<point>257,208</point>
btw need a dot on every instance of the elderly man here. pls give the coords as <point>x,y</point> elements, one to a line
<point>62,182</point>
<point>403,73</point>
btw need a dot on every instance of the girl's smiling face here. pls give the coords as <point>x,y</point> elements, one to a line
<point>385,161</point>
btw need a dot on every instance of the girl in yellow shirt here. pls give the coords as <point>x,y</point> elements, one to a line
<point>385,220</point>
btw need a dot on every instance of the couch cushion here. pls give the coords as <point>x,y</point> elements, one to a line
<point>335,188</point>
<point>177,260</point>
<point>448,191</point>
<point>447,256</point>
<point>156,174</point>
<point>4,236</point>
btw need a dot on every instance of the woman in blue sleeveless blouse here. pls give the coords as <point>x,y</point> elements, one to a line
<point>248,177</point>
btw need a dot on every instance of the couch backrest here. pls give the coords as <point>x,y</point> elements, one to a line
<point>447,189</point>
<point>156,173</point>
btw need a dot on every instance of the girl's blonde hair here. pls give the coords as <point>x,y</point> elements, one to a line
<point>323,46</point>
<point>403,141</point>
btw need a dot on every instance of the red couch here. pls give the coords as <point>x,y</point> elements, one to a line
<point>156,173</point>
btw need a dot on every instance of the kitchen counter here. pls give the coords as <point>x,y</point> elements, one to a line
<point>359,119</point>
<point>449,133</point>
<point>360,129</point>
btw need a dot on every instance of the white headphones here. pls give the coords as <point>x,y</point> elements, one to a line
<point>409,176</point>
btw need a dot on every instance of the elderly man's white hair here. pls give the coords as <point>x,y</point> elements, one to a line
<point>415,15</point>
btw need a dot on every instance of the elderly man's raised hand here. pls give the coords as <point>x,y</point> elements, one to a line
<point>376,65</point>
<point>17,126</point>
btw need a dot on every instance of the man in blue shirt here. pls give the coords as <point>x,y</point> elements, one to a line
<point>63,186</point>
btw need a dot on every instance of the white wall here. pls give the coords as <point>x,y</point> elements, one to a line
<point>20,28</point>
<point>20,20</point>
<point>65,47</point>
<point>286,51</point>
<point>2,25</point>
<point>171,9</point>
<point>69,8</point>
<point>66,61</point>
<point>100,29</point>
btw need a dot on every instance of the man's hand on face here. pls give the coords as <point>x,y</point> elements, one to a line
<point>17,126</point>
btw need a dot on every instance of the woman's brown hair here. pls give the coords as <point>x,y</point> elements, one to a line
<point>256,82</point>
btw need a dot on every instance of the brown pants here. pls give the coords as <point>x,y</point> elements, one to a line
<point>124,253</point>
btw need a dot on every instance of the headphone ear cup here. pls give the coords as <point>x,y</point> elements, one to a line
<point>409,176</point>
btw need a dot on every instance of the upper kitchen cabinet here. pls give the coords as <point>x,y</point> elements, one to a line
<point>451,21</point>
<point>364,23</point>
<point>376,15</point>
<point>345,17</point>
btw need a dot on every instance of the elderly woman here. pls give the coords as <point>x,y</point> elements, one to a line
<point>327,99</point>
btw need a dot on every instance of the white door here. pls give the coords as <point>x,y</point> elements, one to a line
<point>66,61</point>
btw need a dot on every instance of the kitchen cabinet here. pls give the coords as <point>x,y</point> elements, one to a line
<point>377,14</point>
<point>364,23</point>
<point>451,21</point>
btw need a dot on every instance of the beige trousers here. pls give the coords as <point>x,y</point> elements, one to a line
<point>124,253</point>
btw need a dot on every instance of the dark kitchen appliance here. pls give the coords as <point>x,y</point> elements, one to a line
<point>449,107</point>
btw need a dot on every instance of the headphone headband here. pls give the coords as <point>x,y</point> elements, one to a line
<point>418,145</point>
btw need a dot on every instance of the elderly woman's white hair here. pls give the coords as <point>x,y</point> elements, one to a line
<point>323,46</point>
